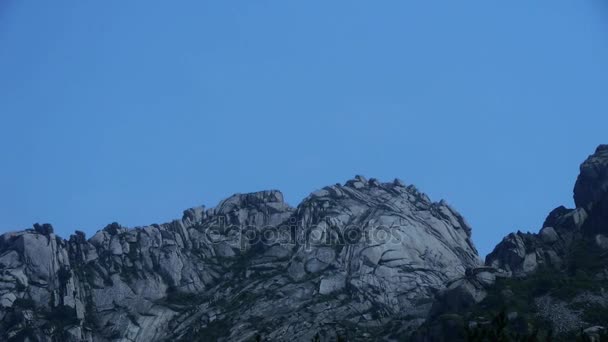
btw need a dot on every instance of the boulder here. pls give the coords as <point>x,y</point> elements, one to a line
<point>549,235</point>
<point>593,334</point>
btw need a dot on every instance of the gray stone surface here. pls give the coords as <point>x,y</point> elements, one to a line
<point>362,253</point>
<point>549,235</point>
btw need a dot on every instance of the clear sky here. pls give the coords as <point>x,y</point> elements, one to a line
<point>132,111</point>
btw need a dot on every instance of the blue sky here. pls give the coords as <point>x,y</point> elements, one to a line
<point>132,111</point>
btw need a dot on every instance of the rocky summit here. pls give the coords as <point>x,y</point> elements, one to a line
<point>364,260</point>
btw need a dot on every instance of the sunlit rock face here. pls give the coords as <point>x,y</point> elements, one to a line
<point>358,257</point>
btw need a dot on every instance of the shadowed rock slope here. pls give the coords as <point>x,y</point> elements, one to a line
<point>366,257</point>
<point>564,229</point>
<point>550,283</point>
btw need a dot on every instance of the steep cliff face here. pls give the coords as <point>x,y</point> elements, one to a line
<point>356,256</point>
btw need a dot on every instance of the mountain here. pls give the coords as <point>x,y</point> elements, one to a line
<point>365,260</point>
<point>521,253</point>
<point>553,282</point>
<point>355,256</point>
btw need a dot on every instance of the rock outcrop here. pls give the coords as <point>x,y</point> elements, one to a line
<point>522,253</point>
<point>536,286</point>
<point>562,270</point>
<point>354,257</point>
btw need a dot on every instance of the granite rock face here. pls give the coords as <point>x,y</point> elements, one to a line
<point>360,255</point>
